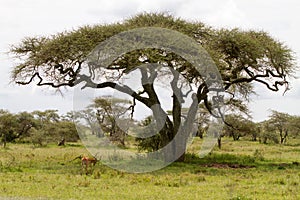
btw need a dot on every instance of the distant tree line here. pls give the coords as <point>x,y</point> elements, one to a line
<point>102,113</point>
<point>43,127</point>
<point>276,129</point>
<point>38,128</point>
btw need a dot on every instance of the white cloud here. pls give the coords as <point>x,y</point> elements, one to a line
<point>261,108</point>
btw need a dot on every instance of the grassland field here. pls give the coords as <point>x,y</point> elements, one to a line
<point>240,170</point>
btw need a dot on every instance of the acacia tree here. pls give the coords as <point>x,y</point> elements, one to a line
<point>267,132</point>
<point>90,119</point>
<point>25,122</point>
<point>284,124</point>
<point>8,126</point>
<point>240,126</point>
<point>242,58</point>
<point>295,125</point>
<point>108,110</point>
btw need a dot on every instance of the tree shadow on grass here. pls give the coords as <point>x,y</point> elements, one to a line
<point>216,161</point>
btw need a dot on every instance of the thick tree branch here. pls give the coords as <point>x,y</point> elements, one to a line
<point>124,89</point>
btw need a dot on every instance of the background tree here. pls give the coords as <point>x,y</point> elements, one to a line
<point>295,126</point>
<point>152,143</point>
<point>111,113</point>
<point>48,127</point>
<point>242,57</point>
<point>89,117</point>
<point>8,126</point>
<point>46,116</point>
<point>283,124</point>
<point>202,120</point>
<point>38,127</point>
<point>239,126</point>
<point>25,122</point>
<point>236,118</point>
<point>268,132</point>
<point>61,130</point>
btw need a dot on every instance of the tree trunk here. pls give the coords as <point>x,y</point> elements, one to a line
<point>181,158</point>
<point>254,138</point>
<point>62,142</point>
<point>236,137</point>
<point>200,134</point>
<point>4,140</point>
<point>187,129</point>
<point>285,136</point>
<point>219,142</point>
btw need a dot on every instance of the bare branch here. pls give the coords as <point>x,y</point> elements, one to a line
<point>268,73</point>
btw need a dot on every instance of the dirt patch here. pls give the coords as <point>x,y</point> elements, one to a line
<point>224,166</point>
<point>284,165</point>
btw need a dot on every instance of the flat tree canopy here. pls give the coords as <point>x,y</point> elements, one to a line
<point>242,58</point>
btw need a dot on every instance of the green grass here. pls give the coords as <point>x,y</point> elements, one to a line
<point>240,170</point>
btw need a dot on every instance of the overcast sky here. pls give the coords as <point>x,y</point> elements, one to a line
<point>21,18</point>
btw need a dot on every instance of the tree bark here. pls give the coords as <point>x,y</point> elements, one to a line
<point>4,140</point>
<point>176,111</point>
<point>187,127</point>
<point>219,142</point>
